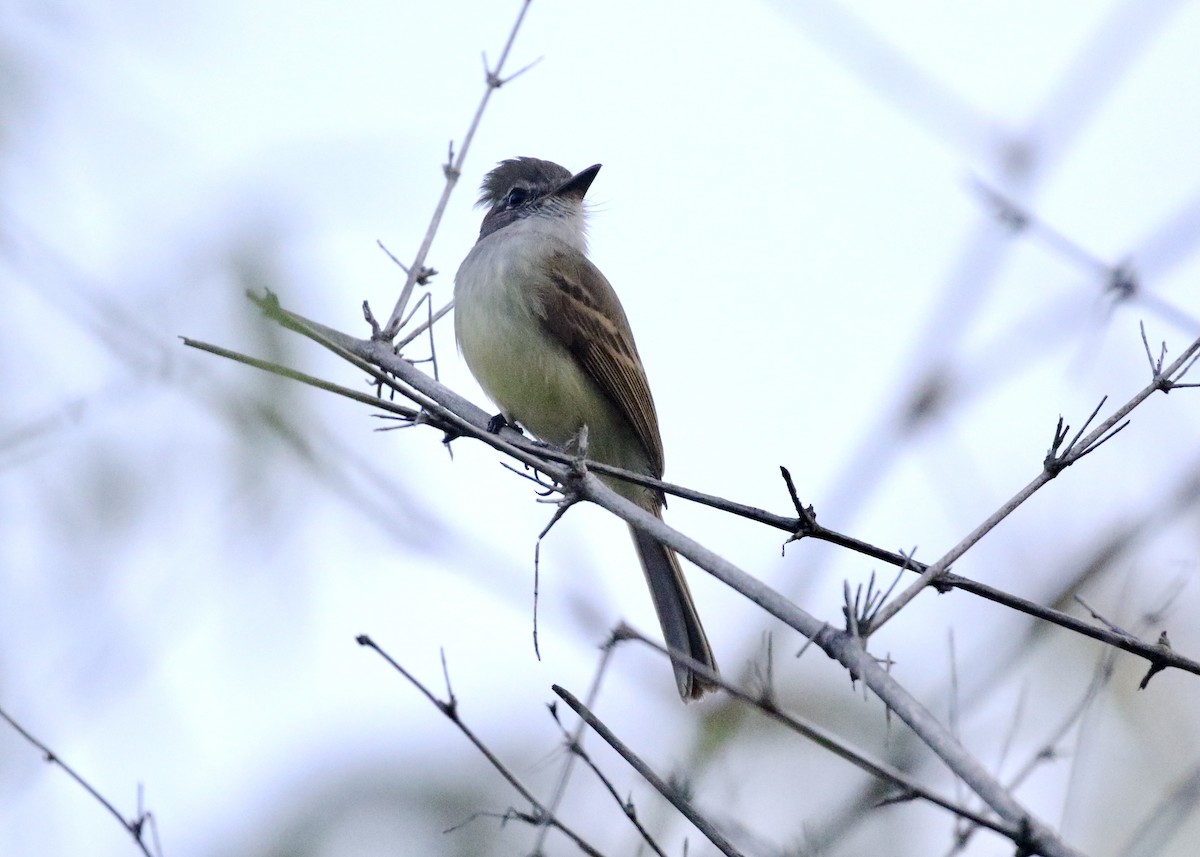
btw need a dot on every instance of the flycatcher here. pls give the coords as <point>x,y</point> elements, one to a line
<point>545,335</point>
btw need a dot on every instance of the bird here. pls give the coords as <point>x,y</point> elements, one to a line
<point>544,334</point>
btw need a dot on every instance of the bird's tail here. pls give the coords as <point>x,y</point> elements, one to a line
<point>676,612</point>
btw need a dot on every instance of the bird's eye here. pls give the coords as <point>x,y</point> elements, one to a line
<point>517,196</point>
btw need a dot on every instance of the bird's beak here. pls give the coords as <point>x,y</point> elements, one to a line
<point>578,184</point>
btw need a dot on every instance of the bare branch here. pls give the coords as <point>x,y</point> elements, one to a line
<point>764,702</point>
<point>540,815</point>
<point>136,827</point>
<point>560,790</point>
<point>452,171</point>
<point>664,788</point>
<point>1033,835</point>
<point>423,326</point>
<point>627,807</point>
<point>1101,676</point>
<point>530,454</point>
<point>312,381</point>
<point>1054,463</point>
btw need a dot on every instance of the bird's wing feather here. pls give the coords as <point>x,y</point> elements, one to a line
<point>581,311</point>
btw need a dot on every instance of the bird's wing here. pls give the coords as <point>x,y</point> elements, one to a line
<point>579,308</point>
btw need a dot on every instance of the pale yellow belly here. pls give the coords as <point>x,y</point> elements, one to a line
<point>538,383</point>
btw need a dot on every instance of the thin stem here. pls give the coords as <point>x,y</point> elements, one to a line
<point>450,709</point>
<point>134,827</point>
<point>664,788</point>
<point>764,703</point>
<point>1054,464</point>
<point>452,170</point>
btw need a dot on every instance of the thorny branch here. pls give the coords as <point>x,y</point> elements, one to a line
<point>451,412</point>
<point>1057,459</point>
<point>803,526</point>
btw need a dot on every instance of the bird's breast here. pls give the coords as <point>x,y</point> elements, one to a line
<point>533,378</point>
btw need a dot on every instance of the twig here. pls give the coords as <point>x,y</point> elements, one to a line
<point>540,815</point>
<point>136,827</point>
<point>1101,675</point>
<point>1057,460</point>
<point>808,517</point>
<point>560,789</point>
<point>1163,645</point>
<point>664,788</point>
<point>425,325</point>
<point>1116,629</point>
<point>1156,364</point>
<point>627,807</point>
<point>452,170</point>
<point>304,378</point>
<point>764,702</point>
<point>568,500</point>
